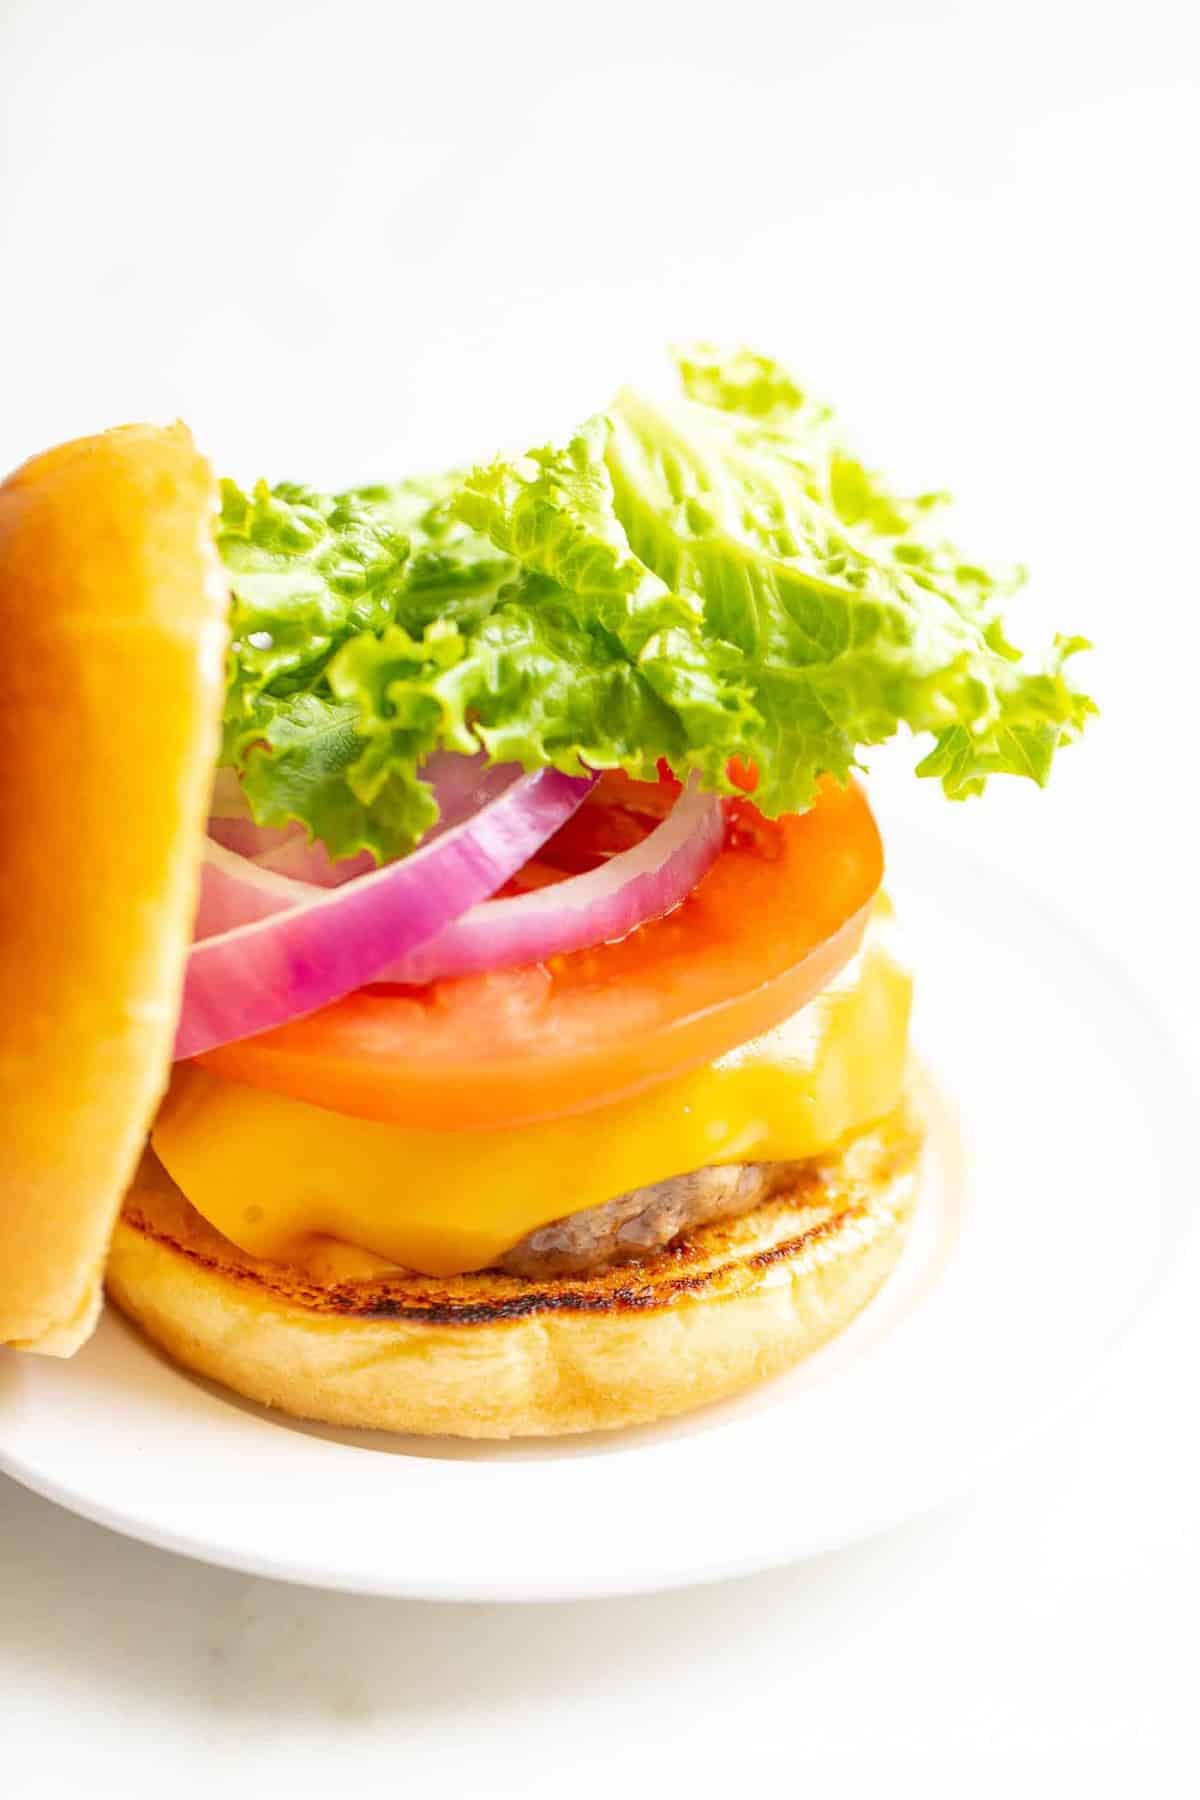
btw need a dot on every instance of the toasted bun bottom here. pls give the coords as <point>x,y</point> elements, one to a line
<point>490,1355</point>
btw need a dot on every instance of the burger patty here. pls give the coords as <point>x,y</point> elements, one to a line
<point>644,1219</point>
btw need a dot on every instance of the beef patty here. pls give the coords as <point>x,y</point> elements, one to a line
<point>644,1219</point>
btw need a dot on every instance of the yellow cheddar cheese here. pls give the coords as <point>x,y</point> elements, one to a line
<point>277,1176</point>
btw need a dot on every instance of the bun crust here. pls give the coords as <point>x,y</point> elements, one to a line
<point>113,614</point>
<point>490,1355</point>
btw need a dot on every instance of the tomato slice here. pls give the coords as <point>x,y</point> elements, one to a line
<point>782,909</point>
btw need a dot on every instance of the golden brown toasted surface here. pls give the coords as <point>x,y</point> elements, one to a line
<point>111,597</point>
<point>494,1355</point>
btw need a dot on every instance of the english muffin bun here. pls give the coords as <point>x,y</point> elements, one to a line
<point>112,612</point>
<point>491,1355</point>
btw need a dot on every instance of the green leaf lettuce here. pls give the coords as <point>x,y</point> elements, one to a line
<point>713,577</point>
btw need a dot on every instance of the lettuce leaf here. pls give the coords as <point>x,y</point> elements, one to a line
<point>718,576</point>
<point>314,574</point>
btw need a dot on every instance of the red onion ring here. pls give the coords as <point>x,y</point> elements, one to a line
<point>294,949</point>
<point>286,851</point>
<point>299,860</point>
<point>595,908</point>
<point>461,785</point>
<point>235,891</point>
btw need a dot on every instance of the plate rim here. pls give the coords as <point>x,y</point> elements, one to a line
<point>1173,1083</point>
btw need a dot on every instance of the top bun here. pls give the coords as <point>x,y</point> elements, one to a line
<point>112,618</point>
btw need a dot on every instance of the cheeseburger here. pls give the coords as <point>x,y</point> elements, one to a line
<point>445,975</point>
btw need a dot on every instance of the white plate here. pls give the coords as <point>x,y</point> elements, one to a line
<point>1036,1246</point>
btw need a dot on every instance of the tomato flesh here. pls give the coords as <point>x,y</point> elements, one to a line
<point>615,817</point>
<point>781,910</point>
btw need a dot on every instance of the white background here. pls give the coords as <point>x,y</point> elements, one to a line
<point>347,240</point>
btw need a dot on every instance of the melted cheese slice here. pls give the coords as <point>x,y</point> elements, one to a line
<point>280,1177</point>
